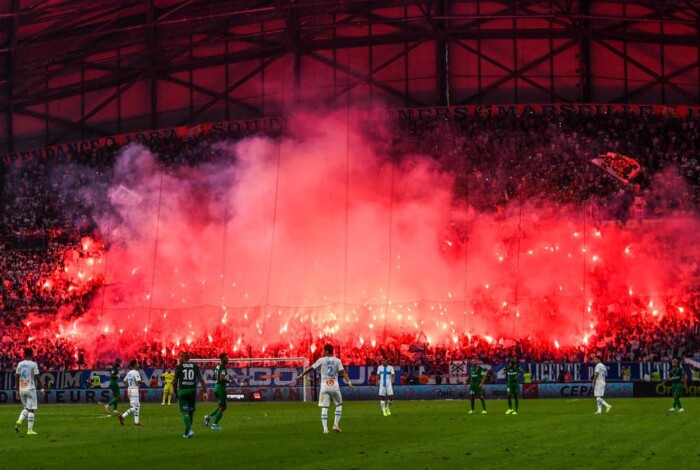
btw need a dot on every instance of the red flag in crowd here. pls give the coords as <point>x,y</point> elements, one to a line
<point>619,166</point>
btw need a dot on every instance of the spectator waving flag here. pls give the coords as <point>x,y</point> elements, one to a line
<point>125,196</point>
<point>619,166</point>
<point>413,351</point>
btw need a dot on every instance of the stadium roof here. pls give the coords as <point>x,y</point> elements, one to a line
<point>72,69</point>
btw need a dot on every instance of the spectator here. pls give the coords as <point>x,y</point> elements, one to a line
<point>42,221</point>
<point>372,378</point>
<point>626,374</point>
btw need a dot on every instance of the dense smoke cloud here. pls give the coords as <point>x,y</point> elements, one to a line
<point>325,232</point>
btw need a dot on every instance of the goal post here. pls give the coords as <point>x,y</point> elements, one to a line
<point>261,378</point>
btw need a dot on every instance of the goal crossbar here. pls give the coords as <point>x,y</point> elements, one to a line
<point>303,360</point>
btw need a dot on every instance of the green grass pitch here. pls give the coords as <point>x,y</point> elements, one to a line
<point>547,434</point>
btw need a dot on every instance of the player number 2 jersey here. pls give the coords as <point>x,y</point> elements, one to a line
<point>330,367</point>
<point>27,370</point>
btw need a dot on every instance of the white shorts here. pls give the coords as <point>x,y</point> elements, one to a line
<point>28,398</point>
<point>134,398</point>
<point>599,389</point>
<point>386,391</point>
<point>327,394</point>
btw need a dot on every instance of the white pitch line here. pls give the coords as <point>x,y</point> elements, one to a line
<point>66,418</point>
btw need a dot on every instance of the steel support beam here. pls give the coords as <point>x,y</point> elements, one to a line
<point>136,43</point>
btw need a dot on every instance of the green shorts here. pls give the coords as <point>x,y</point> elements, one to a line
<point>513,388</point>
<point>677,391</point>
<point>186,399</point>
<point>115,390</point>
<point>476,391</point>
<point>220,393</point>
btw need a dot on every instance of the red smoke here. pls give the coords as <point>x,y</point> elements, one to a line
<point>319,234</point>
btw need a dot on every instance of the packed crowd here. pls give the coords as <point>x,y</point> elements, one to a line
<point>45,217</point>
<point>550,156</point>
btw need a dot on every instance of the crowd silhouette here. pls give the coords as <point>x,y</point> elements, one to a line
<point>46,219</point>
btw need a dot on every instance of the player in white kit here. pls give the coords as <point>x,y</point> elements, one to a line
<point>331,368</point>
<point>26,380</point>
<point>133,383</point>
<point>600,372</point>
<point>385,379</point>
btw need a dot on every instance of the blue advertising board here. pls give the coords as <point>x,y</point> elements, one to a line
<point>452,373</point>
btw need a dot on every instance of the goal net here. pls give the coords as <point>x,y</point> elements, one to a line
<point>261,379</point>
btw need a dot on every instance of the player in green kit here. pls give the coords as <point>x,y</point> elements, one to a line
<point>114,386</point>
<point>221,377</point>
<point>513,374</point>
<point>186,376</point>
<point>477,377</point>
<point>679,382</point>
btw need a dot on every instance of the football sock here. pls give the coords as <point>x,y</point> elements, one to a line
<point>213,413</point>
<point>388,404</point>
<point>218,416</point>
<point>113,402</point>
<point>136,416</point>
<point>188,422</point>
<point>30,421</point>
<point>324,418</point>
<point>510,403</point>
<point>516,403</point>
<point>483,404</point>
<point>472,403</point>
<point>338,414</point>
<point>383,403</point>
<point>23,416</point>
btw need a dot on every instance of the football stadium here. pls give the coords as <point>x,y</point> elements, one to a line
<point>349,234</point>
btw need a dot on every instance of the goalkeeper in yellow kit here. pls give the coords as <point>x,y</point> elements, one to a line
<point>168,377</point>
